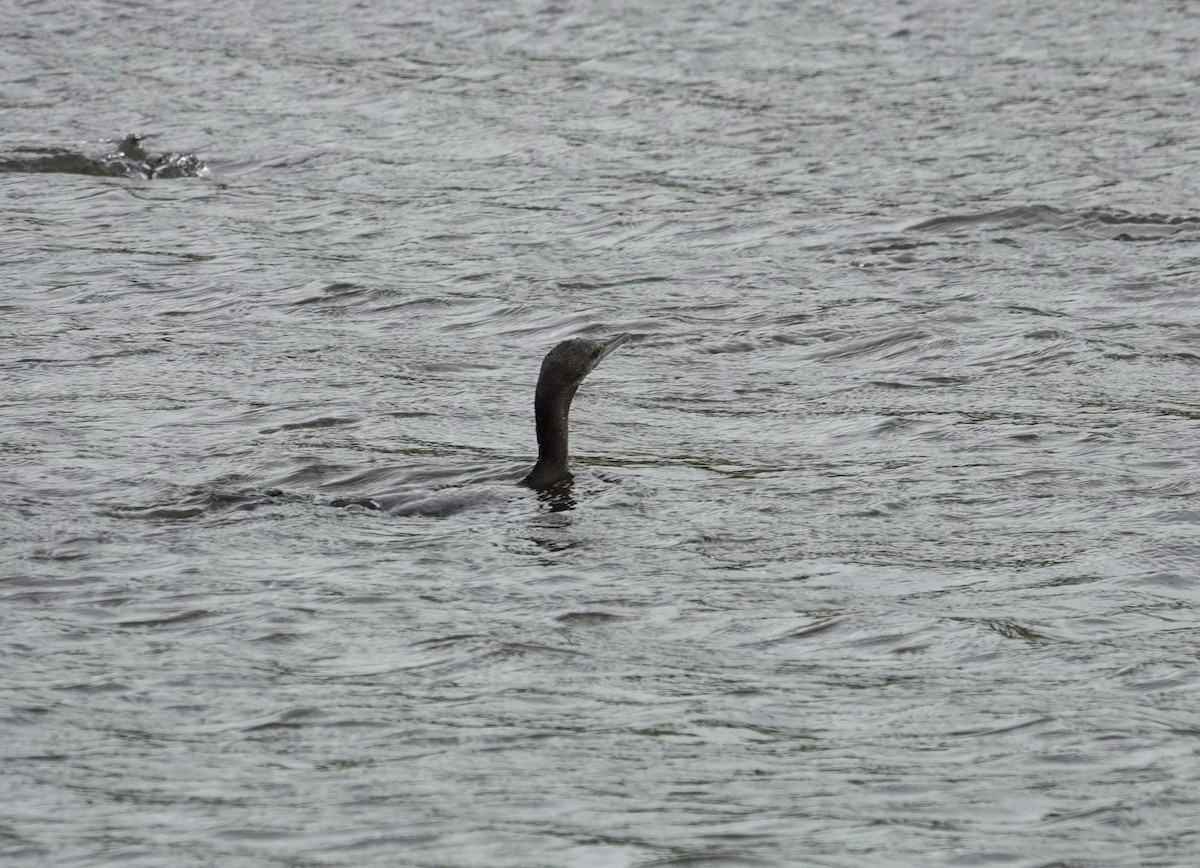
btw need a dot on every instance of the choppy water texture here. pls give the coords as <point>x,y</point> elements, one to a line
<point>882,548</point>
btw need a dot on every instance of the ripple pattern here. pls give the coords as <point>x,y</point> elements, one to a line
<point>882,544</point>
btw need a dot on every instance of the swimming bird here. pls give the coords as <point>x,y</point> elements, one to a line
<point>563,370</point>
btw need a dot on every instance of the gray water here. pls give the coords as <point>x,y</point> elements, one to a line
<point>882,546</point>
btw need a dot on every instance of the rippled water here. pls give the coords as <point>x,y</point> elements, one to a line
<point>882,547</point>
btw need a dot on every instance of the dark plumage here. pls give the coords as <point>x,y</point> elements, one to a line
<point>563,370</point>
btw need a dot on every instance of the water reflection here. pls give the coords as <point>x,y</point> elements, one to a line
<point>560,497</point>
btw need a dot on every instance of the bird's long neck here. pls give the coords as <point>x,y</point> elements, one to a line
<point>550,410</point>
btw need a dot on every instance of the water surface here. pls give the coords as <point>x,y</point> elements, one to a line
<point>882,543</point>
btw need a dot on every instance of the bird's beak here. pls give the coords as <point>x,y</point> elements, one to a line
<point>612,345</point>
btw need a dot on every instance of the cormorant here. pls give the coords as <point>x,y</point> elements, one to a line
<point>563,370</point>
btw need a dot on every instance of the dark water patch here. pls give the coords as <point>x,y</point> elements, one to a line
<point>1010,630</point>
<point>720,856</point>
<point>922,382</point>
<point>587,618</point>
<point>205,501</point>
<point>292,718</point>
<point>738,346</point>
<point>896,342</point>
<point>97,684</point>
<point>180,618</point>
<point>173,254</point>
<point>900,249</point>
<point>1114,225</point>
<point>317,423</point>
<point>796,634</point>
<point>529,649</point>
<point>758,732</point>
<point>1035,311</point>
<point>593,284</point>
<point>65,551</point>
<point>336,295</point>
<point>277,637</point>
